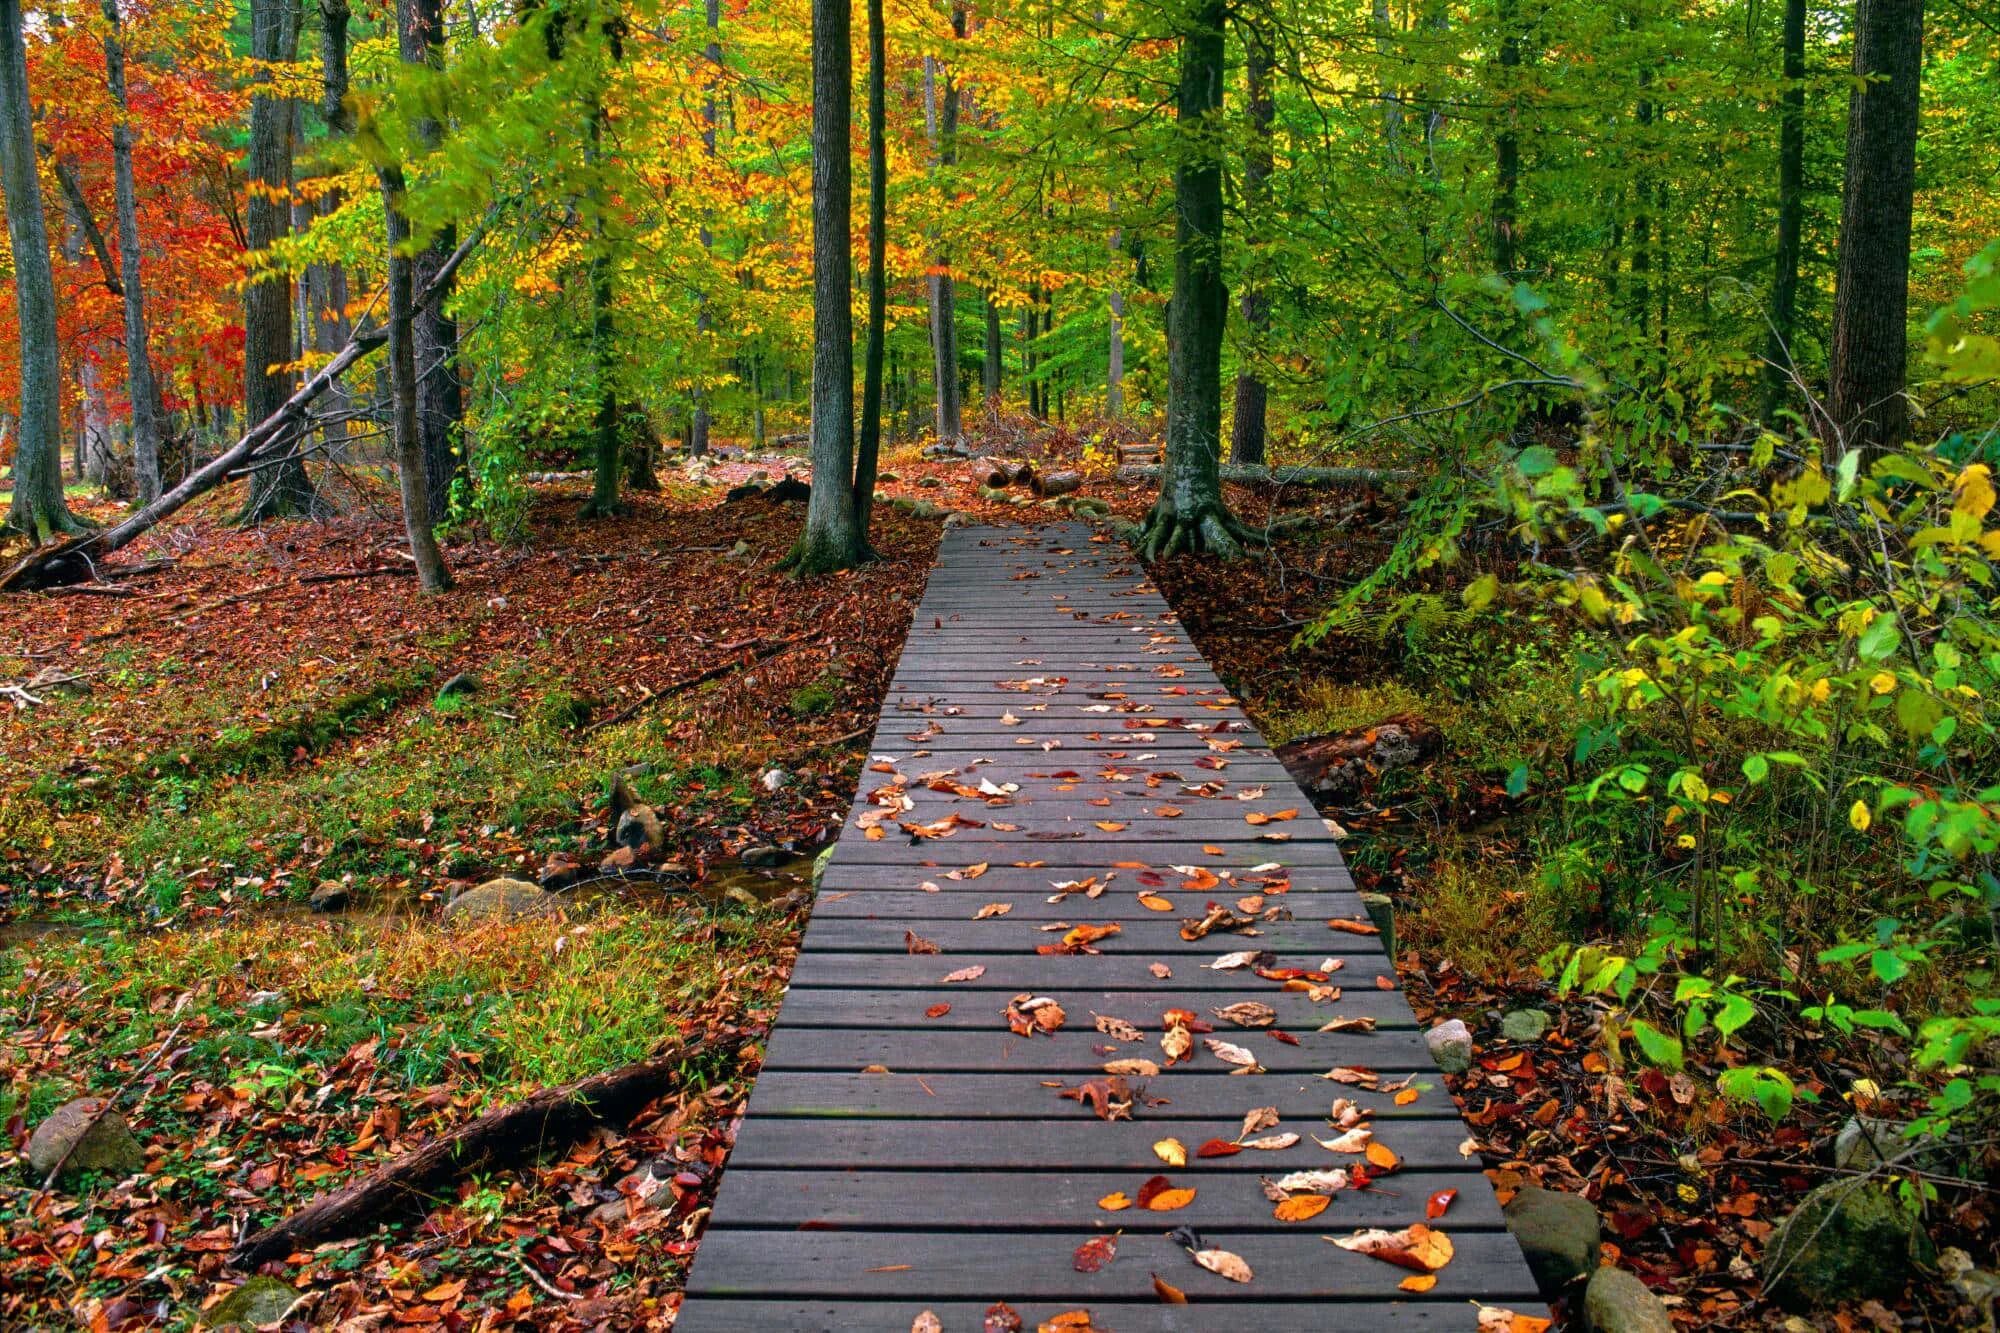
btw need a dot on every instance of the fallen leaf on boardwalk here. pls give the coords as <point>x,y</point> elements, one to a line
<point>1167,811</point>
<point>1160,970</point>
<point>1248,1014</point>
<point>1009,720</point>
<point>1224,1264</point>
<point>1110,825</point>
<point>1385,983</point>
<point>916,943</point>
<point>1382,1157</point>
<point>1418,1282</point>
<point>1168,1292</point>
<point>1360,1078</point>
<point>1069,1321</point>
<point>1171,1151</point>
<point>1176,1043</point>
<point>1258,1119</point>
<point>1302,1207</point>
<point>874,833</point>
<point>1109,1098</point>
<point>938,1010</point>
<point>1082,937</point>
<point>1345,1114</point>
<point>927,1322</point>
<point>970,872</point>
<point>1273,1142</point>
<point>1153,902</point>
<point>1115,1203</point>
<point>1230,1053</point>
<point>1132,1068</point>
<point>1095,1253</point>
<point>1029,1014</point>
<point>1354,1140</point>
<point>1229,962</point>
<point>992,910</point>
<point>1354,927</point>
<point>875,1069</point>
<point>1406,1096</point>
<point>1313,1182</point>
<point>1493,1319</point>
<point>1000,1318</point>
<point>1168,1201</point>
<point>973,973</point>
<point>1469,1149</point>
<point>1351,1024</point>
<point>1117,1028</point>
<point>1436,1206</point>
<point>1218,1148</point>
<point>929,887</point>
<point>1415,1246</point>
<point>1250,905</point>
<point>1286,1037</point>
<point>1153,1186</point>
<point>1200,879</point>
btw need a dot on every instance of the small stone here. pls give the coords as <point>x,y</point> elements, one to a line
<point>499,900</point>
<point>1848,1240</point>
<point>330,896</point>
<point>740,551</point>
<point>1617,1302</point>
<point>765,855</point>
<point>463,683</point>
<point>1557,1233</point>
<point>639,829</point>
<point>80,1140</point>
<point>888,476</point>
<point>773,779</point>
<point>1451,1046</point>
<point>930,483</point>
<point>1525,1025</point>
<point>258,1302</point>
<point>1865,1141</point>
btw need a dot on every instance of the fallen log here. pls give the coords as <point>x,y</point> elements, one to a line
<point>412,1183</point>
<point>72,560</point>
<point>1334,767</point>
<point>1046,484</point>
<point>1001,473</point>
<point>1246,474</point>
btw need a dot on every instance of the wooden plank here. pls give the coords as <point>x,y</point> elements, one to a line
<point>916,1050</point>
<point>1030,903</point>
<point>1144,1314</point>
<point>816,1006</point>
<point>1013,972</point>
<point>1302,1101</point>
<point>1037,1265</point>
<point>1156,939</point>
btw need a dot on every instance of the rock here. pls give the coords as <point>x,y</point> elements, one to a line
<point>1557,1232</point>
<point>740,551</point>
<point>955,519</point>
<point>1525,1025</point>
<point>260,1301</point>
<point>330,896</point>
<point>463,683</point>
<point>1980,1289</point>
<point>765,855</point>
<point>1864,1141</point>
<point>888,476</point>
<point>773,779</point>
<point>930,483</point>
<point>639,830</point>
<point>91,1144</point>
<point>499,900</point>
<point>1848,1240</point>
<point>1617,1302</point>
<point>1451,1046</point>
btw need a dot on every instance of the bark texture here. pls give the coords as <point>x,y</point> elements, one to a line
<point>440,396</point>
<point>432,576</point>
<point>1246,443</point>
<point>1870,346</point>
<point>148,417</point>
<point>865,462</point>
<point>941,122</point>
<point>38,510</point>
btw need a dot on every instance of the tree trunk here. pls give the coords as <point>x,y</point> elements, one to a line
<point>280,489</point>
<point>1247,422</point>
<point>148,418</point>
<point>941,124</point>
<point>38,510</point>
<point>1778,362</point>
<point>1190,515</point>
<point>1507,144</point>
<point>832,538</point>
<point>440,397</point>
<point>432,576</point>
<point>1871,297</point>
<point>995,349</point>
<point>697,444</point>
<point>606,462</point>
<point>865,463</point>
<point>1114,359</point>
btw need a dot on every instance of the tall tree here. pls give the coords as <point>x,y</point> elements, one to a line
<point>148,416</point>
<point>865,463</point>
<point>1114,352</point>
<point>280,488</point>
<point>989,377</point>
<point>1872,294</point>
<point>941,124</point>
<point>38,509</point>
<point>440,396</point>
<point>698,427</point>
<point>1791,210</point>
<point>1507,144</point>
<point>1190,515</point>
<point>1246,443</point>
<point>833,537</point>
<point>404,393</point>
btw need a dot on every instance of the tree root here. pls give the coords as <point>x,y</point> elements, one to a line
<point>1209,529</point>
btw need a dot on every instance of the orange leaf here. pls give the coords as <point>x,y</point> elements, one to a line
<point>1380,1157</point>
<point>1419,1282</point>
<point>1166,1201</point>
<point>938,1010</point>
<point>1153,902</point>
<point>1115,1203</point>
<point>1435,1206</point>
<point>1302,1207</point>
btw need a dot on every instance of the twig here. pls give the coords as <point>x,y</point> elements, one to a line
<point>337,575</point>
<point>544,1283</point>
<point>648,697</point>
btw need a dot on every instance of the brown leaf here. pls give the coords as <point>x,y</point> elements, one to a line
<point>1117,1028</point>
<point>973,973</point>
<point>1168,1292</point>
<point>1302,1207</point>
<point>1224,1264</point>
<point>916,943</point>
<point>1248,1014</point>
<point>1415,1246</point>
<point>1273,1142</point>
<point>992,910</point>
<point>1153,902</point>
<point>1230,1053</point>
<point>1132,1068</point>
<point>1110,1098</point>
<point>1000,1318</point>
<point>1354,926</point>
<point>1436,1206</point>
<point>938,1010</point>
<point>1257,1120</point>
<point>1353,1023</point>
<point>1095,1253</point>
<point>1218,1148</point>
<point>1418,1282</point>
<point>927,1322</point>
<point>1160,970</point>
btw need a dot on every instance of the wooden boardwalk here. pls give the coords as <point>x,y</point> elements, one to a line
<point>905,1150</point>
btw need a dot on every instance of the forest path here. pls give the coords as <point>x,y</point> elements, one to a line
<point>905,1150</point>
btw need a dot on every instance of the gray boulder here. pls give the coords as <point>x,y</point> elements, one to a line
<point>765,856</point>
<point>330,896</point>
<point>1451,1046</point>
<point>1557,1232</point>
<point>500,900</point>
<point>639,829</point>
<point>258,1302</point>
<point>1525,1025</point>
<point>1848,1240</point>
<point>1614,1301</point>
<point>78,1138</point>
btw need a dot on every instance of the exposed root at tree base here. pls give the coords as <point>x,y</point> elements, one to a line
<point>1209,529</point>
<point>806,561</point>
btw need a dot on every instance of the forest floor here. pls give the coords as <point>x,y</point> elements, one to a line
<point>235,728</point>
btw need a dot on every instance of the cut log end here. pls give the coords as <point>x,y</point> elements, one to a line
<point>1046,484</point>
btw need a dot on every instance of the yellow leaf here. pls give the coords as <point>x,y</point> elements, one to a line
<point>1857,815</point>
<point>1975,492</point>
<point>1302,1207</point>
<point>1419,1282</point>
<point>1171,1151</point>
<point>1115,1203</point>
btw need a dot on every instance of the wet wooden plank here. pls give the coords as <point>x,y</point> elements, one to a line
<point>917,1049</point>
